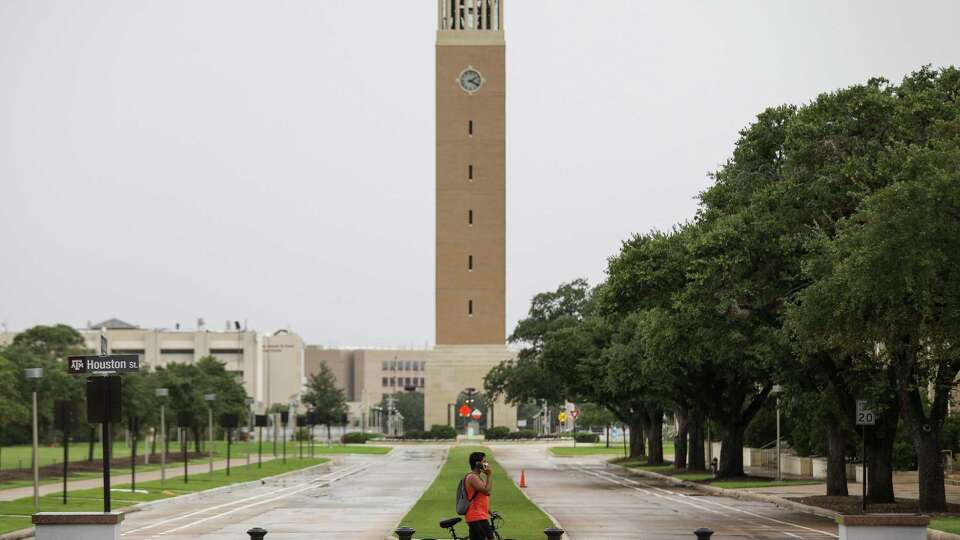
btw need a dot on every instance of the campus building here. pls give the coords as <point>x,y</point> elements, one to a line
<point>270,366</point>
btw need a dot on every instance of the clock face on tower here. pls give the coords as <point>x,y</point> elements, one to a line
<point>470,80</point>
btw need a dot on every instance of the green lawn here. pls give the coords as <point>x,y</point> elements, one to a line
<point>16,514</point>
<point>293,449</point>
<point>747,483</point>
<point>522,519</point>
<point>946,524</point>
<point>705,477</point>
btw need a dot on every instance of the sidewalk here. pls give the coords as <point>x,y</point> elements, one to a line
<point>174,470</point>
<point>905,486</point>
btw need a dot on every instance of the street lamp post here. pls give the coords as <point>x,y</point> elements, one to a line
<point>251,403</point>
<point>35,374</point>
<point>210,398</point>
<point>162,393</point>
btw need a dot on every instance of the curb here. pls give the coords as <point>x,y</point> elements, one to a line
<point>732,493</point>
<point>23,534</point>
<point>780,502</point>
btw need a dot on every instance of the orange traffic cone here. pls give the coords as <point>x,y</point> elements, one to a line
<point>523,479</point>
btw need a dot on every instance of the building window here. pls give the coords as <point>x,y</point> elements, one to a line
<point>416,365</point>
<point>470,262</point>
<point>393,381</point>
<point>406,381</point>
<point>470,217</point>
<point>470,172</point>
<point>423,365</point>
<point>470,128</point>
<point>385,381</point>
<point>470,307</point>
<point>386,366</point>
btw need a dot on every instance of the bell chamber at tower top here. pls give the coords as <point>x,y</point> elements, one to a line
<point>468,15</point>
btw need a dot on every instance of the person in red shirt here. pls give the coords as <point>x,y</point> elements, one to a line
<point>479,483</point>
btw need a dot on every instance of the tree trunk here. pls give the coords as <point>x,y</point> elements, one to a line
<point>731,452</point>
<point>880,439</point>
<point>637,450</point>
<point>697,460</point>
<point>655,436</point>
<point>196,439</point>
<point>680,445</point>
<point>933,497</point>
<point>329,440</point>
<point>836,457</point>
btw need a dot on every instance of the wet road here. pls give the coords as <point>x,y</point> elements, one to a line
<point>595,502</point>
<point>360,497</point>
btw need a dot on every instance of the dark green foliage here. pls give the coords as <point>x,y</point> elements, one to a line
<point>497,433</point>
<point>355,437</point>
<point>587,438</point>
<point>325,397</point>
<point>442,432</point>
<point>410,405</point>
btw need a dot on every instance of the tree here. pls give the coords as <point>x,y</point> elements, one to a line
<point>326,398</point>
<point>410,405</point>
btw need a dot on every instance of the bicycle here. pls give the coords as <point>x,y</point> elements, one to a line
<point>450,524</point>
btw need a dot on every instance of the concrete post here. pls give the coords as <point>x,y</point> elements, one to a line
<point>405,533</point>
<point>257,533</point>
<point>703,534</point>
<point>553,533</point>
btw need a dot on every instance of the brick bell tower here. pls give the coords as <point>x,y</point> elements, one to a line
<point>471,206</point>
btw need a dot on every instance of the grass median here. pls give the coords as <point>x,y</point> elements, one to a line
<point>16,514</point>
<point>521,518</point>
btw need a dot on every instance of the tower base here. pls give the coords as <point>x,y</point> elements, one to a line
<point>453,368</point>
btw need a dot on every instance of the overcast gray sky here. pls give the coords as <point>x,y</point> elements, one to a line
<point>274,160</point>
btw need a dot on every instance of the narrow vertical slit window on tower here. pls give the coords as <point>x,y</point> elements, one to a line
<point>470,217</point>
<point>470,172</point>
<point>470,307</point>
<point>470,262</point>
<point>470,128</point>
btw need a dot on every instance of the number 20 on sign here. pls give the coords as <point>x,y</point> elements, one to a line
<point>865,416</point>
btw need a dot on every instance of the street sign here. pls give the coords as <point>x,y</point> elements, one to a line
<point>260,420</point>
<point>476,414</point>
<point>562,416</point>
<point>865,416</point>
<point>103,365</point>
<point>521,423</point>
<point>464,410</point>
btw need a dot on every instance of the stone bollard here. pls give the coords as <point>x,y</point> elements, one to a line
<point>553,533</point>
<point>257,533</point>
<point>405,533</point>
<point>703,533</point>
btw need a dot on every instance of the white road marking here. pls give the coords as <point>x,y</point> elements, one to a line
<point>680,496</point>
<point>191,514</point>
<point>258,503</point>
<point>792,535</point>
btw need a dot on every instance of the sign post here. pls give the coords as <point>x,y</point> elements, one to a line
<point>865,417</point>
<point>261,422</point>
<point>183,422</point>
<point>104,396</point>
<point>284,420</point>
<point>63,417</point>
<point>134,426</point>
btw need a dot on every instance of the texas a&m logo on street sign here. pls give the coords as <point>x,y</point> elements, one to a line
<point>103,365</point>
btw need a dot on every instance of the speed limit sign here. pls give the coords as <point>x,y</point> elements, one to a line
<point>865,416</point>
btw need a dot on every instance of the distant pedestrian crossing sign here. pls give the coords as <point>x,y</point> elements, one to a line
<point>562,416</point>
